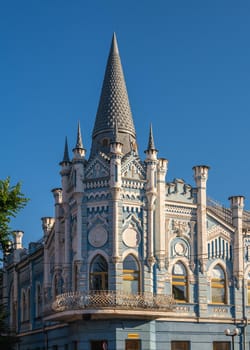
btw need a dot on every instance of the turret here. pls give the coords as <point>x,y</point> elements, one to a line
<point>47,225</point>
<point>161,244</point>
<point>115,160</point>
<point>237,205</point>
<point>78,162</point>
<point>79,151</point>
<point>65,170</point>
<point>201,176</point>
<point>18,236</point>
<point>151,192</point>
<point>151,160</point>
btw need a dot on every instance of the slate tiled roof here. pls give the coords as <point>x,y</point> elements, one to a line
<point>114,103</point>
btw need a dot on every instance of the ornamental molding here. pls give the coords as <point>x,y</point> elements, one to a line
<point>98,236</point>
<point>136,184</point>
<point>97,183</point>
<point>180,228</point>
<point>97,195</point>
<point>131,163</point>
<point>135,196</point>
<point>97,219</point>
<point>219,231</point>
<point>131,237</point>
<point>132,221</point>
<point>180,210</point>
<point>97,167</point>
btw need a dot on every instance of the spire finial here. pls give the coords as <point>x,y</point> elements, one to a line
<point>79,143</point>
<point>151,144</point>
<point>79,150</point>
<point>66,153</point>
<point>114,45</point>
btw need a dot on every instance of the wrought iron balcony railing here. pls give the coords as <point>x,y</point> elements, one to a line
<point>112,299</point>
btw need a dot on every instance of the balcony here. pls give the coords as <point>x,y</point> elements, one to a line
<point>110,304</point>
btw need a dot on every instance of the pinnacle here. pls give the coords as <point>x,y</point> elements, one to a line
<point>151,144</point>
<point>66,153</point>
<point>79,143</point>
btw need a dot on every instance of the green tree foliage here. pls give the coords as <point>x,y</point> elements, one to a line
<point>11,201</point>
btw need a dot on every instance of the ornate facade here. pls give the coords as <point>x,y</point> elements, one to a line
<point>130,261</point>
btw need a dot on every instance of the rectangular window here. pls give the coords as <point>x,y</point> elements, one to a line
<point>221,345</point>
<point>180,345</point>
<point>133,344</point>
<point>75,345</point>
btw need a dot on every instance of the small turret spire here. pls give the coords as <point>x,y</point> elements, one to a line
<point>79,143</point>
<point>79,150</point>
<point>151,151</point>
<point>66,159</point>
<point>151,143</point>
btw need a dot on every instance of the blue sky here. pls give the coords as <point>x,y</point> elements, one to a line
<point>186,65</point>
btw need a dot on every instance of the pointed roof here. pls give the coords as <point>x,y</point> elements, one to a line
<point>66,153</point>
<point>151,143</point>
<point>79,143</point>
<point>114,103</point>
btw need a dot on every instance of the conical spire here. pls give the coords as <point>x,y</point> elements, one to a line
<point>66,153</point>
<point>113,106</point>
<point>79,150</point>
<point>79,143</point>
<point>151,143</point>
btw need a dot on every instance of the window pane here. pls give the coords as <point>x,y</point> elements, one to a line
<point>130,263</point>
<point>219,345</point>
<point>130,275</point>
<point>180,345</point>
<point>218,286</point>
<point>218,295</point>
<point>134,344</point>
<point>179,282</point>
<point>99,274</point>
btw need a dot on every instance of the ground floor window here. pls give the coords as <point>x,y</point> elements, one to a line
<point>132,344</point>
<point>221,345</point>
<point>180,345</point>
<point>99,345</point>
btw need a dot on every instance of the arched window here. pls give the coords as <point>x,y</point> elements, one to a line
<point>12,309</point>
<point>99,274</point>
<point>38,300</point>
<point>23,307</point>
<point>248,289</point>
<point>28,310</point>
<point>179,282</point>
<point>75,277</point>
<point>131,274</point>
<point>218,289</point>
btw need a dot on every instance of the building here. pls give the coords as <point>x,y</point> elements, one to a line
<point>130,261</point>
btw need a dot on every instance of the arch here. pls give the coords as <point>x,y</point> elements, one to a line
<point>38,299</point>
<point>28,309</point>
<point>131,274</point>
<point>218,285</point>
<point>23,306</point>
<point>12,304</point>
<point>180,282</point>
<point>98,275</point>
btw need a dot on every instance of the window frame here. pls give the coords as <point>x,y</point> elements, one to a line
<point>218,284</point>
<point>180,280</point>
